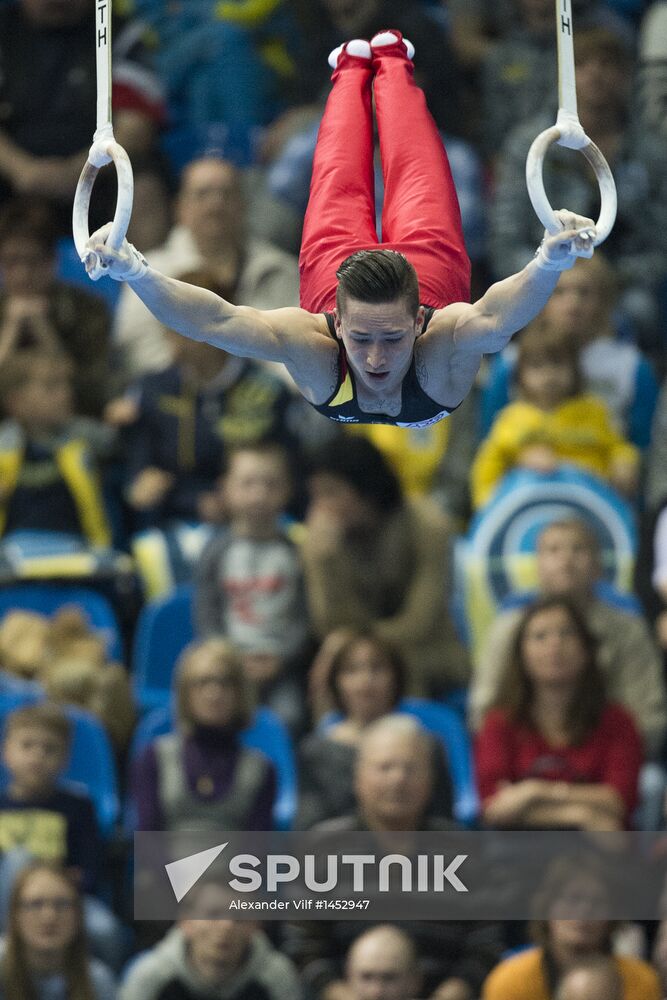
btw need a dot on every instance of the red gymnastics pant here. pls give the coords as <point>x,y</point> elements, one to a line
<point>420,217</point>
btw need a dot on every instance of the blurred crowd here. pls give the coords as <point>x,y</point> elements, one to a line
<point>277,587</point>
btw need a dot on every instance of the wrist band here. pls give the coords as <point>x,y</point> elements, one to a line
<point>138,268</point>
<point>548,264</point>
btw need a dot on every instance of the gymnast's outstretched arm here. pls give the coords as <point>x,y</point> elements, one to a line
<point>287,335</point>
<point>460,334</point>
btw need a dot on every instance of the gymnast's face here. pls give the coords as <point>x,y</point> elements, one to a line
<point>379,339</point>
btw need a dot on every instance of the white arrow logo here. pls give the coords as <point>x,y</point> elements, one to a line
<point>186,871</point>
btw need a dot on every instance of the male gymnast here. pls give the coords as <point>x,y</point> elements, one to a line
<point>385,332</point>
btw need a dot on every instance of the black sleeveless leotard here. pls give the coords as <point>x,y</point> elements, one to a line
<point>417,409</point>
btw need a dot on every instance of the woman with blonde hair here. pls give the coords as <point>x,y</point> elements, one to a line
<point>44,954</point>
<point>201,777</point>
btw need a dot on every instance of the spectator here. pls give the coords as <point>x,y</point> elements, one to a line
<point>210,233</point>
<point>250,585</point>
<point>432,461</point>
<point>477,24</point>
<point>394,784</point>
<point>637,245</point>
<point>553,753</point>
<point>224,66</point>
<point>210,957</point>
<point>35,749</point>
<point>651,82</point>
<point>38,311</point>
<point>596,979</point>
<point>475,27</point>
<point>152,205</point>
<point>380,965</point>
<point>43,955</point>
<point>374,560</point>
<point>46,128</point>
<point>562,944</point>
<point>394,780</point>
<point>544,427</point>
<point>656,466</point>
<point>582,306</point>
<point>518,72</point>
<point>181,420</point>
<point>659,956</point>
<point>518,69</point>
<point>568,564</point>
<point>363,679</point>
<point>40,820</point>
<point>659,575</point>
<point>200,777</point>
<point>50,458</point>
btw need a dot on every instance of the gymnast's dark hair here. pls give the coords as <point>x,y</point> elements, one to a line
<point>377,276</point>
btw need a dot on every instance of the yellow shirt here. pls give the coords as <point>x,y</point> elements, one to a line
<point>579,431</point>
<point>522,978</point>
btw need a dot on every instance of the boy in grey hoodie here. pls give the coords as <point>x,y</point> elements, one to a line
<point>250,585</point>
<point>212,959</point>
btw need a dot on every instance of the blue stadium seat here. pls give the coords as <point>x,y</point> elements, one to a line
<point>46,598</point>
<point>91,764</point>
<point>266,733</point>
<point>13,697</point>
<point>445,723</point>
<point>163,631</point>
<point>155,723</point>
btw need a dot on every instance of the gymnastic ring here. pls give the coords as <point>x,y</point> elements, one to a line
<point>124,199</point>
<point>538,196</point>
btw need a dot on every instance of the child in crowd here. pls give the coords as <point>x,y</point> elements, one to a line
<point>65,657</point>
<point>250,585</point>
<point>583,307</point>
<point>40,820</point>
<point>41,312</point>
<point>49,458</point>
<point>553,422</point>
<point>181,420</point>
<point>178,424</point>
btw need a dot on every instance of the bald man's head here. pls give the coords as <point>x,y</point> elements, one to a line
<point>382,965</point>
<point>595,979</point>
<point>394,774</point>
<point>210,200</point>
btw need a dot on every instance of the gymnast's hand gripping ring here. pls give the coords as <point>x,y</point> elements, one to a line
<point>104,149</point>
<point>568,132</point>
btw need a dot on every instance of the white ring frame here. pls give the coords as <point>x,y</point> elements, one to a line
<point>538,196</point>
<point>123,202</point>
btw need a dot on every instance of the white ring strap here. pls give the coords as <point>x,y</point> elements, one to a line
<point>104,148</point>
<point>568,132</point>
